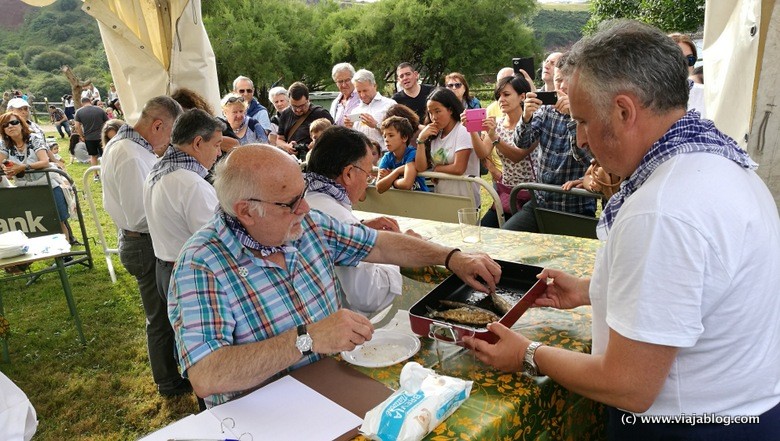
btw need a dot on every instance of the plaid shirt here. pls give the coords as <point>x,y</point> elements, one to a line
<point>558,159</point>
<point>128,132</point>
<point>221,295</point>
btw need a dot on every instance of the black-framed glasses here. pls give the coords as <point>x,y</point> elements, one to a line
<point>454,85</point>
<point>292,206</point>
<point>369,178</point>
<point>299,106</point>
<point>691,59</point>
<point>246,90</point>
<point>13,122</point>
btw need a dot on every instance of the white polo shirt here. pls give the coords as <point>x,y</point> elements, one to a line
<point>177,206</point>
<point>125,166</point>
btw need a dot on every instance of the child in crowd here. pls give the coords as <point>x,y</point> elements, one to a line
<point>397,168</point>
<point>78,150</point>
<point>55,151</point>
<point>315,130</point>
<point>376,152</point>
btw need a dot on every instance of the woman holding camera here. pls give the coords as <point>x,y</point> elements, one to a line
<point>518,164</point>
<point>247,129</point>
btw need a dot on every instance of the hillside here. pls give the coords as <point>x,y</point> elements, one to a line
<point>48,37</point>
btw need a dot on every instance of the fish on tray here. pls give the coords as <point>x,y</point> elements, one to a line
<point>464,313</point>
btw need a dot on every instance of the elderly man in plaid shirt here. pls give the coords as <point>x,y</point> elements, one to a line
<point>550,131</point>
<point>254,293</point>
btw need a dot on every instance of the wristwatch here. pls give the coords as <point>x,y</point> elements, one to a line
<point>303,342</point>
<point>27,167</point>
<point>495,143</point>
<point>529,365</point>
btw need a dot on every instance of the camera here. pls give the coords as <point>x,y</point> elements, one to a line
<point>300,150</point>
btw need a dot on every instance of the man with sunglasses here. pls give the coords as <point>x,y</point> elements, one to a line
<point>246,88</point>
<point>339,172</point>
<point>254,293</point>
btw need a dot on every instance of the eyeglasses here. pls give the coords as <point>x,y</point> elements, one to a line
<point>13,122</point>
<point>300,106</point>
<point>369,178</point>
<point>293,206</point>
<point>454,85</point>
<point>691,59</point>
<point>246,90</point>
<point>342,82</point>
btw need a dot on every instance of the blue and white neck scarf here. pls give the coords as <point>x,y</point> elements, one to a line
<point>173,160</point>
<point>690,134</point>
<point>321,184</point>
<point>127,132</point>
<point>247,240</point>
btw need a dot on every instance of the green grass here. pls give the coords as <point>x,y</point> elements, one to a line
<point>101,391</point>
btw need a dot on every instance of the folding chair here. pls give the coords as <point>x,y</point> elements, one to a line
<point>554,221</point>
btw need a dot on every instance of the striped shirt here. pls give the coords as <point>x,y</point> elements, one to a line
<point>222,295</point>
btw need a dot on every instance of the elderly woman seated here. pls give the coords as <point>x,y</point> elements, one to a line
<point>247,130</point>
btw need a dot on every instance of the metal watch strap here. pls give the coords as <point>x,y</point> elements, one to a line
<point>529,365</point>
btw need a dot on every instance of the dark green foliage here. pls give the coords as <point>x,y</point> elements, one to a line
<point>559,29</point>
<point>50,61</point>
<point>13,60</point>
<point>667,15</point>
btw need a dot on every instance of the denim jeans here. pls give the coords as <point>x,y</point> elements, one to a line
<point>523,220</point>
<point>63,126</point>
<point>137,256</point>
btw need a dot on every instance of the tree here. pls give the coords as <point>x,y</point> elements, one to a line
<point>267,40</point>
<point>667,15</point>
<point>438,36</point>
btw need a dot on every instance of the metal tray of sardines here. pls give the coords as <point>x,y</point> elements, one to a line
<point>454,310</point>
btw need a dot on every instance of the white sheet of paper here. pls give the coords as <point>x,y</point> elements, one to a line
<point>202,425</point>
<point>288,409</point>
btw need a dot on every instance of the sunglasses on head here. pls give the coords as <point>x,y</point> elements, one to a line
<point>691,59</point>
<point>13,122</point>
<point>234,99</point>
<point>454,85</point>
<point>246,90</point>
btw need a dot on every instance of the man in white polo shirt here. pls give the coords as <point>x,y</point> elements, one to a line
<point>128,159</point>
<point>372,108</point>
<point>178,198</point>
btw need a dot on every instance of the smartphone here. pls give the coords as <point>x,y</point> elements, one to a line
<point>354,117</point>
<point>526,64</point>
<point>548,98</point>
<point>474,119</point>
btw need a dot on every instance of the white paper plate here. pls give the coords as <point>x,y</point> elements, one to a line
<point>386,348</point>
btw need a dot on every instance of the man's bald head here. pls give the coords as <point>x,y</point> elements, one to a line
<point>505,72</point>
<point>257,171</point>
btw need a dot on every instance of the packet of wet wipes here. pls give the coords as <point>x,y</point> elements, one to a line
<point>424,400</point>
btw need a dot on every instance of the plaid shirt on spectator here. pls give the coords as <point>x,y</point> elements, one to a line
<point>222,295</point>
<point>558,159</point>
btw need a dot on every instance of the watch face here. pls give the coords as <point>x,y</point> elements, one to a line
<point>528,368</point>
<point>303,343</point>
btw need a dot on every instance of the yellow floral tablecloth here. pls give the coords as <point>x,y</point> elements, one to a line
<point>508,406</point>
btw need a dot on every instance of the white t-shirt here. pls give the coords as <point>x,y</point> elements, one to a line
<point>125,166</point>
<point>177,206</point>
<point>443,152</point>
<point>693,261</point>
<point>368,287</point>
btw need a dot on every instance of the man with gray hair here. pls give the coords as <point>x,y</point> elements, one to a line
<point>372,108</point>
<point>129,157</point>
<point>347,99</point>
<point>178,198</point>
<point>246,88</point>
<point>254,293</point>
<point>684,289</point>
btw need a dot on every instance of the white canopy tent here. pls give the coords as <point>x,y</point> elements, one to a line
<point>154,47</point>
<point>741,69</point>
